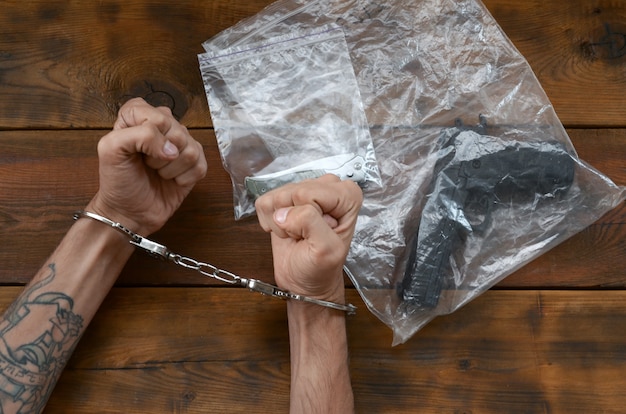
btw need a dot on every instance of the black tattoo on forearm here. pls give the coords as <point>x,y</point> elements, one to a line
<point>37,336</point>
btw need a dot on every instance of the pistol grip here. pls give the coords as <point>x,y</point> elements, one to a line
<point>429,265</point>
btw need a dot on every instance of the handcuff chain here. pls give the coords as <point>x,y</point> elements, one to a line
<point>160,251</point>
<point>206,269</point>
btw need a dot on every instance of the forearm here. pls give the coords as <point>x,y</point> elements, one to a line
<point>41,328</point>
<point>320,377</point>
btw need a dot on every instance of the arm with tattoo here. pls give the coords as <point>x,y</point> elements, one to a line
<point>41,328</point>
<point>148,165</point>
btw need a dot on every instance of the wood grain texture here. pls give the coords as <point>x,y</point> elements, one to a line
<point>47,175</point>
<point>577,49</point>
<point>71,64</point>
<point>547,339</point>
<point>165,350</point>
<point>77,62</point>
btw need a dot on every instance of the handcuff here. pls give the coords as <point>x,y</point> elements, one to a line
<point>161,252</point>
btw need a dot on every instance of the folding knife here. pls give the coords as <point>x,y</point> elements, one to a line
<point>345,166</point>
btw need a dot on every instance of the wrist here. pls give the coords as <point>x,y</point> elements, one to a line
<point>101,237</point>
<point>319,359</point>
<point>307,314</point>
<point>334,300</point>
<point>309,322</point>
<point>327,286</point>
<point>90,258</point>
<point>99,207</point>
<point>142,223</point>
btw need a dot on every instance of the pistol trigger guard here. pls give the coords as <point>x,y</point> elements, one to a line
<point>482,203</point>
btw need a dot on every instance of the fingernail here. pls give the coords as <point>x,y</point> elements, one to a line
<point>281,215</point>
<point>170,149</point>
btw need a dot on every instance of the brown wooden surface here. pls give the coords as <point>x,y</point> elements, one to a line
<point>548,339</point>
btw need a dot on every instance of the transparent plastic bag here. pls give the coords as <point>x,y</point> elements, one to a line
<point>445,91</point>
<point>287,109</point>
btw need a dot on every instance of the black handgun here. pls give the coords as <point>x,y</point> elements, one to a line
<point>464,190</point>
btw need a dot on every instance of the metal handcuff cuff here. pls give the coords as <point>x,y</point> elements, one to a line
<point>159,251</point>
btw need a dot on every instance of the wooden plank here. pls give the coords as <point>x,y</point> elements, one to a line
<point>507,352</point>
<point>204,387</point>
<point>584,260</point>
<point>226,350</point>
<point>46,175</point>
<point>197,347</point>
<point>71,63</point>
<point>590,259</point>
<point>577,49</point>
<point>67,64</point>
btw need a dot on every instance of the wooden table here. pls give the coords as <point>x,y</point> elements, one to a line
<point>550,338</point>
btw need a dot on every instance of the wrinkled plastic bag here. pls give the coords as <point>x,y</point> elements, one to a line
<point>444,90</point>
<point>283,103</point>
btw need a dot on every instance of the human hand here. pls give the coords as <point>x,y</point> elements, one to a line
<point>148,165</point>
<point>311,225</point>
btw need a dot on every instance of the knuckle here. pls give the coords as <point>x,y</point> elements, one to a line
<point>329,254</point>
<point>332,178</point>
<point>160,119</point>
<point>136,101</point>
<point>166,110</point>
<point>189,156</point>
<point>203,168</point>
<point>264,202</point>
<point>104,144</point>
<point>200,170</point>
<point>353,190</point>
<point>146,131</point>
<point>195,156</point>
<point>129,105</point>
<point>301,194</point>
<point>308,213</point>
<point>179,134</point>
